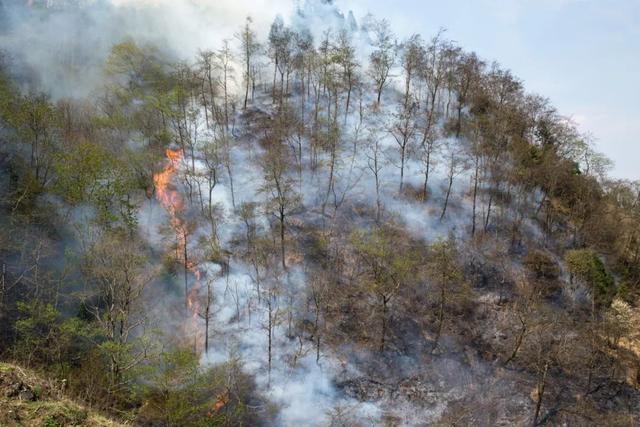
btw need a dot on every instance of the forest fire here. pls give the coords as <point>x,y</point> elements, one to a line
<point>172,202</point>
<point>221,401</point>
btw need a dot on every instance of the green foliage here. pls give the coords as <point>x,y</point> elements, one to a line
<point>87,173</point>
<point>79,170</point>
<point>52,421</point>
<point>114,199</point>
<point>7,95</point>
<point>116,270</point>
<point>66,416</point>
<point>181,393</point>
<point>137,65</point>
<point>34,122</point>
<point>46,338</point>
<point>450,289</point>
<point>444,263</point>
<point>34,331</point>
<point>623,291</point>
<point>32,117</point>
<point>389,263</point>
<point>586,266</point>
<point>445,270</point>
<point>24,188</point>
<point>104,156</point>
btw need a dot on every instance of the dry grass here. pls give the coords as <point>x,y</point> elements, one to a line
<point>28,400</point>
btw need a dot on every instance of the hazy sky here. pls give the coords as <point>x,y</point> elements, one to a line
<point>582,54</point>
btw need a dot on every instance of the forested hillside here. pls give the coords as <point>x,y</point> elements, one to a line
<point>324,224</point>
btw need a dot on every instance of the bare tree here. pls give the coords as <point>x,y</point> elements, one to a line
<point>466,77</point>
<point>346,57</point>
<point>280,189</point>
<point>403,130</point>
<point>303,54</point>
<point>117,268</point>
<point>433,74</point>
<point>456,164</point>
<point>319,294</point>
<point>375,163</point>
<point>209,86</point>
<point>225,58</point>
<point>250,47</point>
<point>206,311</point>
<point>383,57</point>
<point>413,54</point>
<point>281,51</point>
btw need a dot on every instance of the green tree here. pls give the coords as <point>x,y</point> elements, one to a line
<point>180,392</point>
<point>47,339</point>
<point>117,273</point>
<point>79,171</point>
<point>586,266</point>
<point>87,172</point>
<point>387,264</point>
<point>250,47</point>
<point>445,272</point>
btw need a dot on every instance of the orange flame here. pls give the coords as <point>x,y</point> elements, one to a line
<point>221,401</point>
<point>172,202</point>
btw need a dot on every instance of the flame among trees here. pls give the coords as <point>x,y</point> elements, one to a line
<point>171,200</point>
<point>321,111</point>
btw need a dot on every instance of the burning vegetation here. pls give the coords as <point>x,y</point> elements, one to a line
<point>315,228</point>
<point>171,200</point>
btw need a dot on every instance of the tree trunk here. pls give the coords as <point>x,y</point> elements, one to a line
<point>425,188</point>
<point>269,330</point>
<point>383,332</point>
<point>440,317</point>
<point>402,156</point>
<point>275,74</point>
<point>486,221</point>
<point>346,110</point>
<point>282,249</point>
<point>540,392</point>
<point>459,121</point>
<point>317,332</point>
<point>206,330</point>
<point>475,196</point>
<point>331,175</point>
<point>446,199</point>
<point>228,167</point>
<point>186,270</point>
<point>248,78</point>
<point>517,345</point>
<point>378,202</point>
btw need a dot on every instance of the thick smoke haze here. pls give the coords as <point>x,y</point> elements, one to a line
<point>64,47</point>
<point>61,46</point>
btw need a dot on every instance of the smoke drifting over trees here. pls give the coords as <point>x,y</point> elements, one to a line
<point>220,215</point>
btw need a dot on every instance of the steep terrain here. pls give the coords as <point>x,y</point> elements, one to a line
<point>28,400</point>
<point>317,224</point>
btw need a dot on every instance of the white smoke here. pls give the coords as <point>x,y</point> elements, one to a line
<point>64,47</point>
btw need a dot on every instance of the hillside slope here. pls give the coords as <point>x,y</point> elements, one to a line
<point>26,399</point>
<point>304,227</point>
